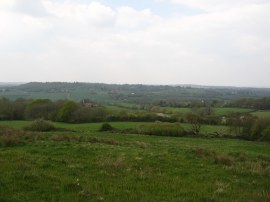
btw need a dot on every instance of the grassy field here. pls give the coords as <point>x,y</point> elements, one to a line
<point>93,127</point>
<point>226,111</point>
<point>97,166</point>
<point>216,111</point>
<point>262,114</point>
<point>179,110</point>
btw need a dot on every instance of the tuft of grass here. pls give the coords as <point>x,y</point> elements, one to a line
<point>141,144</point>
<point>201,152</point>
<point>11,137</point>
<point>237,161</point>
<point>74,138</point>
<point>60,137</point>
<point>118,163</point>
<point>224,159</point>
<point>9,141</point>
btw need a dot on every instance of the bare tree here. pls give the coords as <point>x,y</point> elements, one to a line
<point>194,121</point>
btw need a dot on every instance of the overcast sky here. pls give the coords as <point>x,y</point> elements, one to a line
<point>207,42</point>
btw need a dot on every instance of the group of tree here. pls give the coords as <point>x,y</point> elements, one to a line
<point>162,95</point>
<point>250,127</point>
<point>260,104</point>
<point>242,125</point>
<point>69,111</point>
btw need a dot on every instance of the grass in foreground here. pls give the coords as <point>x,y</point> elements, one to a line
<point>95,166</point>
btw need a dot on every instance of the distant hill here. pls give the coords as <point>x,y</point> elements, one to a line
<point>113,93</point>
<point>10,84</point>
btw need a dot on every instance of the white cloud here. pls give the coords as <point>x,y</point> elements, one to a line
<point>93,12</point>
<point>97,43</point>
<point>6,3</point>
<point>217,5</point>
<point>30,7</point>
<point>129,17</point>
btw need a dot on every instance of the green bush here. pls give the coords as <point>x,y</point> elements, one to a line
<point>40,126</point>
<point>266,134</point>
<point>162,129</point>
<point>106,127</point>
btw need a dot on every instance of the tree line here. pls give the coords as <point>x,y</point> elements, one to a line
<point>69,111</point>
<point>260,104</point>
<point>241,125</point>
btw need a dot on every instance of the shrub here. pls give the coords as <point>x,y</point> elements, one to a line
<point>40,126</point>
<point>65,114</point>
<point>10,137</point>
<point>266,134</point>
<point>162,129</point>
<point>106,127</point>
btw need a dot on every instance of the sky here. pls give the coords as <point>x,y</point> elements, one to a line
<point>205,42</point>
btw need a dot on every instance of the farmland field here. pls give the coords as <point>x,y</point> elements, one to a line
<point>262,114</point>
<point>88,165</point>
<point>226,111</point>
<point>216,111</point>
<point>93,127</point>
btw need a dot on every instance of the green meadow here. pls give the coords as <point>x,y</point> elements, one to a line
<point>262,114</point>
<point>219,111</point>
<point>93,127</point>
<point>226,111</point>
<point>83,164</point>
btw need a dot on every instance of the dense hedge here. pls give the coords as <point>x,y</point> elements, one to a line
<point>40,126</point>
<point>162,129</point>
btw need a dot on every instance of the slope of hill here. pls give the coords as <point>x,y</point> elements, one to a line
<point>141,94</point>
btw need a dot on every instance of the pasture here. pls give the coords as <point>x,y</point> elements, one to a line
<point>262,114</point>
<point>219,111</point>
<point>93,127</point>
<point>87,165</point>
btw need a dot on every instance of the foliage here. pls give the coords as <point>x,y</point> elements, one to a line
<point>40,126</point>
<point>66,112</point>
<point>93,114</point>
<point>261,104</point>
<point>106,127</point>
<point>195,122</point>
<point>5,109</point>
<point>248,126</point>
<point>266,133</point>
<point>39,108</point>
<point>161,129</point>
<point>170,96</point>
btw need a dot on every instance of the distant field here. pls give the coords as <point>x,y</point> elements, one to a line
<point>226,111</point>
<point>143,94</point>
<point>216,111</point>
<point>76,96</point>
<point>93,127</point>
<point>179,110</point>
<point>94,166</point>
<point>83,127</point>
<point>124,107</point>
<point>262,114</point>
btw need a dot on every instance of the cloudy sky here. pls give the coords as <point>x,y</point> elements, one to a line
<point>208,42</point>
